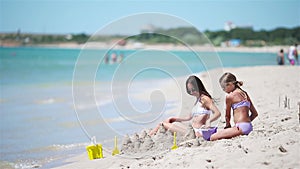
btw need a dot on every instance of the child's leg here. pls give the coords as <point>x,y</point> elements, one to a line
<point>226,133</point>
<point>169,126</point>
<point>174,128</point>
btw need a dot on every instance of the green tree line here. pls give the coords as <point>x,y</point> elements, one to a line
<point>188,35</point>
<point>34,39</point>
<point>247,36</point>
<point>279,36</point>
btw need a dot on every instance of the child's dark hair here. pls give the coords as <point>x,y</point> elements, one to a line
<point>197,83</point>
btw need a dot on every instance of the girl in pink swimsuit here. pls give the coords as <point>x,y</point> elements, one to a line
<point>239,101</point>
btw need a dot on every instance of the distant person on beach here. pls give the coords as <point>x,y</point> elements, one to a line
<point>296,54</point>
<point>280,57</point>
<point>293,54</point>
<point>106,59</point>
<point>203,108</point>
<point>120,58</point>
<point>113,58</point>
<point>239,101</point>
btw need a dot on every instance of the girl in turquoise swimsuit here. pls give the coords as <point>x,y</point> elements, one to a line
<point>203,112</point>
<point>239,101</point>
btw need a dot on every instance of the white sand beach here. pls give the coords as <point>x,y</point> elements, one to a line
<point>274,142</point>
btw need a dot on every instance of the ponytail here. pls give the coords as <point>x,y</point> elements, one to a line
<point>238,83</point>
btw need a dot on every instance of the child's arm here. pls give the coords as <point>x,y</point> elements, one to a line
<point>209,104</point>
<point>253,111</point>
<point>228,111</point>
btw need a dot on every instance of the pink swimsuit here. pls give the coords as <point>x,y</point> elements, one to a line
<point>246,127</point>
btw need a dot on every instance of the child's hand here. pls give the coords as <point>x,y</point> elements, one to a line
<point>172,119</point>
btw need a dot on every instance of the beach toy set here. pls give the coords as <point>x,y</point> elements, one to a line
<point>95,151</point>
<point>116,150</point>
<point>174,142</point>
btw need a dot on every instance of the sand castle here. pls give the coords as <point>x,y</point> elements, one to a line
<point>161,141</point>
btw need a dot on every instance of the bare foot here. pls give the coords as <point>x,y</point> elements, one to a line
<point>154,131</point>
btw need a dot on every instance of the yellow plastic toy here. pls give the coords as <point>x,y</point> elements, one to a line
<point>174,142</point>
<point>94,151</point>
<point>116,150</point>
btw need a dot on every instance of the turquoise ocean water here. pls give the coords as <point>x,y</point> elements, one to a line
<point>38,121</point>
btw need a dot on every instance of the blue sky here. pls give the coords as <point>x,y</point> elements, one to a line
<point>79,16</point>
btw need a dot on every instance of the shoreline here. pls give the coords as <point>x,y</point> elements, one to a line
<point>273,143</point>
<point>203,48</point>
